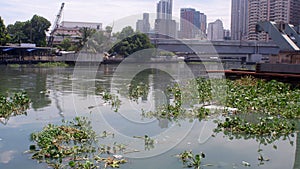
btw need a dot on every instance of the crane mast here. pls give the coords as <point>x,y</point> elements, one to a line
<point>55,25</point>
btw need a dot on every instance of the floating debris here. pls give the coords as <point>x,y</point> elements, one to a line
<point>246,164</point>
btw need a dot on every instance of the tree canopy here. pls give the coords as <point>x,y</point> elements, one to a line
<point>126,32</point>
<point>131,44</point>
<point>4,36</point>
<point>31,31</point>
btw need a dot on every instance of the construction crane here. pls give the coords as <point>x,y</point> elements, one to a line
<point>55,26</point>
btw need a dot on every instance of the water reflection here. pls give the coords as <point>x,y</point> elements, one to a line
<point>33,81</point>
<point>53,94</point>
<point>7,156</point>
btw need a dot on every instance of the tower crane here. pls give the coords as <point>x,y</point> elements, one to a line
<point>55,26</point>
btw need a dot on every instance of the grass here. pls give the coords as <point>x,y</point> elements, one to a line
<point>52,64</point>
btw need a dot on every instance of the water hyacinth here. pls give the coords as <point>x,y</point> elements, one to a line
<point>15,105</point>
<point>71,145</point>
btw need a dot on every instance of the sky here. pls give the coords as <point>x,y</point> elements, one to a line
<point>108,12</point>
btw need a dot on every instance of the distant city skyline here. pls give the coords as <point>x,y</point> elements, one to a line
<point>106,11</point>
<point>192,23</point>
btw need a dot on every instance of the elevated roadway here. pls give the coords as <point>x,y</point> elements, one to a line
<point>252,51</point>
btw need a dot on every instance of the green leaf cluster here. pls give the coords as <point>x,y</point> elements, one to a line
<point>31,31</point>
<point>259,96</point>
<point>14,105</point>
<point>131,44</point>
<point>72,145</point>
<point>190,160</point>
<point>4,36</point>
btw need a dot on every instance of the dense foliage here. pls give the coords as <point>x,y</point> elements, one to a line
<point>190,160</point>
<point>31,31</point>
<point>4,36</point>
<point>259,96</point>
<point>71,145</point>
<point>17,104</point>
<point>272,105</point>
<point>125,32</point>
<point>130,43</point>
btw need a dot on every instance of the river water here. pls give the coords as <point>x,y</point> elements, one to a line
<point>63,93</point>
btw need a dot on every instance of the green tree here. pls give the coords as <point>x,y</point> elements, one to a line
<point>4,36</point>
<point>66,44</point>
<point>131,44</point>
<point>39,25</point>
<point>17,33</point>
<point>31,31</point>
<point>108,31</point>
<point>126,32</point>
<point>86,33</point>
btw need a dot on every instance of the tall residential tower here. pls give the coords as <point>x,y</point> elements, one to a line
<point>192,23</point>
<point>143,26</point>
<point>164,9</point>
<point>165,27</point>
<point>239,19</point>
<point>285,11</point>
<point>215,31</point>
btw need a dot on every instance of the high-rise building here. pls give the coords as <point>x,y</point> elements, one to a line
<point>215,30</point>
<point>203,22</point>
<point>285,11</point>
<point>239,19</point>
<point>143,25</point>
<point>192,23</point>
<point>164,9</point>
<point>258,11</point>
<point>165,27</point>
<point>189,21</point>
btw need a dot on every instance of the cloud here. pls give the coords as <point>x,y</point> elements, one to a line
<point>105,11</point>
<point>7,156</point>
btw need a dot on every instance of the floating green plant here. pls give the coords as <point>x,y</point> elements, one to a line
<point>138,90</point>
<point>265,130</point>
<point>15,105</point>
<point>250,95</point>
<point>265,126</point>
<point>149,142</point>
<point>71,145</point>
<point>109,98</point>
<point>52,64</point>
<point>190,160</point>
<point>14,65</point>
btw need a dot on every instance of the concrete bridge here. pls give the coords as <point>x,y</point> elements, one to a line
<point>251,51</point>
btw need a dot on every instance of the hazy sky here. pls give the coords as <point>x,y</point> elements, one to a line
<point>107,11</point>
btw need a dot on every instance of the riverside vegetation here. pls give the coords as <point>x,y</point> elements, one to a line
<point>73,145</point>
<point>14,105</point>
<point>264,110</point>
